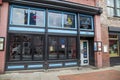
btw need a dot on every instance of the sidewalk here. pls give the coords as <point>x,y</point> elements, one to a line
<point>59,74</point>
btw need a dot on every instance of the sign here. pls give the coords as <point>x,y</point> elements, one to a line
<point>99,46</point>
<point>105,48</point>
<point>2,40</point>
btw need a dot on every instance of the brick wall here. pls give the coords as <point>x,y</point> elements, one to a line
<point>3,33</point>
<point>86,2</point>
<point>105,42</point>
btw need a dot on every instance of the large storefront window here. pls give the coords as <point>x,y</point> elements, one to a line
<point>113,46</point>
<point>27,16</point>
<point>86,22</point>
<point>26,47</point>
<point>62,48</point>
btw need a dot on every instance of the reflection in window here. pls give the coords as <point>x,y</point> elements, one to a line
<point>85,22</point>
<point>38,43</point>
<point>26,47</point>
<point>71,48</point>
<point>15,47</point>
<point>114,46</point>
<point>19,16</point>
<point>69,21</point>
<point>62,48</point>
<point>36,18</point>
<point>55,19</point>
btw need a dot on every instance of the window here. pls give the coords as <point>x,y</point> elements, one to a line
<point>86,22</point>
<point>27,16</point>
<point>26,47</point>
<point>61,19</point>
<point>62,48</point>
<point>19,16</point>
<point>114,45</point>
<point>69,20</point>
<point>55,19</point>
<point>36,18</point>
<point>113,7</point>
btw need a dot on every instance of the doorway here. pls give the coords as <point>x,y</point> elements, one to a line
<point>84,52</point>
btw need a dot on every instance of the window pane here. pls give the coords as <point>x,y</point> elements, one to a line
<point>36,18</point>
<point>118,3</point>
<point>110,3</point>
<point>69,21</point>
<point>38,43</point>
<point>113,48</point>
<point>118,12</point>
<point>26,47</point>
<point>110,11</point>
<point>15,47</point>
<point>72,48</point>
<point>19,16</point>
<point>53,47</point>
<point>55,19</point>
<point>62,48</point>
<point>85,22</point>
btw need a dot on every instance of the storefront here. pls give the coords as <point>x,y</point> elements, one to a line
<point>114,43</point>
<point>51,34</point>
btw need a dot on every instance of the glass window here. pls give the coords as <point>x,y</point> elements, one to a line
<point>110,11</point>
<point>113,9</point>
<point>85,22</point>
<point>62,48</point>
<point>38,45</point>
<point>71,48</point>
<point>55,19</point>
<point>69,20</point>
<point>15,47</point>
<point>26,47</point>
<point>118,3</point>
<point>53,47</point>
<point>113,46</point>
<point>19,16</point>
<point>36,18</point>
<point>110,3</point>
<point>118,12</point>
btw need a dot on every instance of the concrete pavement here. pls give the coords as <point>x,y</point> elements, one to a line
<point>50,74</point>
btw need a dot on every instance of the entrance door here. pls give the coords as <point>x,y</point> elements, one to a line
<point>84,52</point>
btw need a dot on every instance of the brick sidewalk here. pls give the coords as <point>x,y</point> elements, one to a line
<point>101,75</point>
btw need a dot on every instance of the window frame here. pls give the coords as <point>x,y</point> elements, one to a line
<point>28,8</point>
<point>92,22</point>
<point>115,14</point>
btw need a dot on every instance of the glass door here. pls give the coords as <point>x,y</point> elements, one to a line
<point>84,52</point>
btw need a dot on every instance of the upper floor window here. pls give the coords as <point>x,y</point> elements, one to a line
<point>113,7</point>
<point>27,16</point>
<point>61,19</point>
<point>69,20</point>
<point>55,19</point>
<point>86,22</point>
